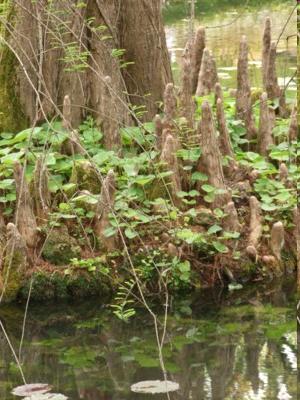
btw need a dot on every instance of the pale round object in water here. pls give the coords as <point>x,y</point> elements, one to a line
<point>154,387</point>
<point>31,389</point>
<point>47,396</point>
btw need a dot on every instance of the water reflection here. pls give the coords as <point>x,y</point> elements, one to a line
<point>224,30</point>
<point>245,351</point>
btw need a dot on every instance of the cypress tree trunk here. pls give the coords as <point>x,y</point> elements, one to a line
<point>63,48</point>
<point>142,35</point>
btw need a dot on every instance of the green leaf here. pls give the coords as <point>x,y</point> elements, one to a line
<point>198,176</point>
<point>110,231</point>
<point>268,207</point>
<point>220,247</point>
<point>208,188</point>
<point>130,234</point>
<point>214,229</point>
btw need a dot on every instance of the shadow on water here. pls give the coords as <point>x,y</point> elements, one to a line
<point>220,345</point>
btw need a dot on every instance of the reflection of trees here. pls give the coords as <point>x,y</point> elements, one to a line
<point>253,346</point>
<point>92,360</point>
<point>220,366</point>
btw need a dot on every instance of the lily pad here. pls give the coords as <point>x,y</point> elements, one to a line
<point>31,389</point>
<point>154,387</point>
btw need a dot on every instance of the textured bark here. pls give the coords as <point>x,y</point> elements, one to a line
<point>196,56</point>
<point>14,266</point>
<point>296,235</point>
<point>25,42</point>
<point>210,162</point>
<point>218,92</point>
<point>110,124</point>
<point>170,106</point>
<point>255,229</point>
<point>72,144</point>
<point>277,239</point>
<point>104,208</point>
<point>231,221</point>
<point>272,86</point>
<point>67,49</point>
<point>293,128</point>
<point>187,105</point>
<point>168,156</point>
<point>102,64</point>
<point>158,131</point>
<point>283,173</point>
<point>243,94</point>
<point>72,81</point>
<point>208,76</point>
<point>142,35</point>
<point>265,138</point>
<point>224,138</point>
<point>40,192</point>
<point>24,217</point>
<point>266,50</point>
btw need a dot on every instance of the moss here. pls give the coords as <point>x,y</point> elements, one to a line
<point>15,266</point>
<point>58,286</point>
<point>12,118</point>
<point>85,177</point>
<point>60,247</point>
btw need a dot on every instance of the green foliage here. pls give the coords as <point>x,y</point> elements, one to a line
<point>123,301</point>
<point>89,264</point>
<point>156,266</point>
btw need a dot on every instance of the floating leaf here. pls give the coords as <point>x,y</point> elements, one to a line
<point>47,396</point>
<point>154,387</point>
<point>31,389</point>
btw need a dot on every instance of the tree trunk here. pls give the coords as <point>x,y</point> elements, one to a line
<point>143,36</point>
<point>54,49</point>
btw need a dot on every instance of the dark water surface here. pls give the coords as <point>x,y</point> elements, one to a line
<point>220,346</point>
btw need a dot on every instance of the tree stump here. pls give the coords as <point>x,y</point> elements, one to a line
<point>169,158</point>
<point>197,54</point>
<point>277,240</point>
<point>187,105</point>
<point>272,87</point>
<point>14,265</point>
<point>266,45</point>
<point>255,229</point>
<point>170,106</point>
<point>104,208</point>
<point>72,145</point>
<point>243,93</point>
<point>293,128</point>
<point>158,130</point>
<point>210,162</point>
<point>24,217</point>
<point>265,138</point>
<point>208,76</point>
<point>40,192</point>
<point>224,138</point>
<point>231,221</point>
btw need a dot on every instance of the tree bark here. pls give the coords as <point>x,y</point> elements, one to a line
<point>59,48</point>
<point>142,35</point>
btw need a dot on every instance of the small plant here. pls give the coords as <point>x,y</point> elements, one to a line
<point>122,308</point>
<point>90,265</point>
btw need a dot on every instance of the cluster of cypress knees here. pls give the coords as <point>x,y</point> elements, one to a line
<point>19,240</point>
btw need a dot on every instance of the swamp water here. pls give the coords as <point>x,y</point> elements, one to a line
<point>219,346</point>
<point>224,28</point>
